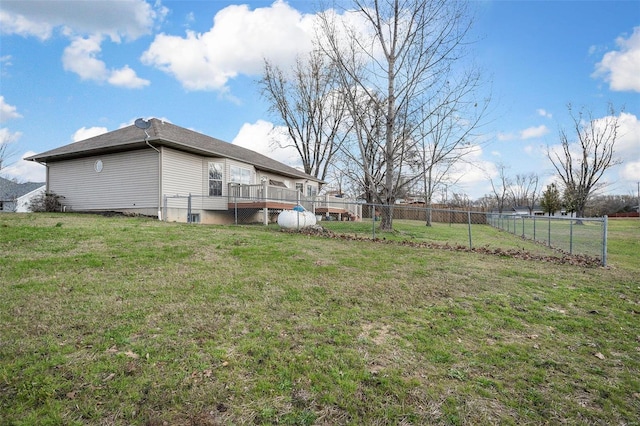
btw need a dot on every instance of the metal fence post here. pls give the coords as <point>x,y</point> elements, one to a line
<point>189,209</point>
<point>571,237</point>
<point>522,226</point>
<point>549,236</point>
<point>235,206</point>
<point>605,221</point>
<point>164,213</point>
<point>373,221</point>
<point>469,221</point>
<point>534,228</point>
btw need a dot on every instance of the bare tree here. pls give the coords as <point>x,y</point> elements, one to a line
<point>363,154</point>
<point>399,63</point>
<point>524,190</point>
<point>581,162</point>
<point>310,105</point>
<point>500,187</point>
<point>460,200</point>
<point>486,203</point>
<point>446,131</point>
<point>3,154</point>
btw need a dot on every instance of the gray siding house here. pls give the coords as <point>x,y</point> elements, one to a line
<point>173,173</point>
<point>15,197</point>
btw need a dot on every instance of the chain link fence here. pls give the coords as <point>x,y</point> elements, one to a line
<point>247,205</point>
<point>586,236</point>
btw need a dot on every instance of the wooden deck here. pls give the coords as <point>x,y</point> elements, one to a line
<point>275,205</point>
<point>339,213</point>
<point>331,210</point>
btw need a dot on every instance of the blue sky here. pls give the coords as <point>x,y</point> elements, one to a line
<point>71,70</point>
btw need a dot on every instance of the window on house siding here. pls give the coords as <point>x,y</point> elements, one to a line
<point>312,191</point>
<point>240,175</point>
<point>215,179</point>
<point>300,187</point>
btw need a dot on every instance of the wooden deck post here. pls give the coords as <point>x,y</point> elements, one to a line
<point>265,211</point>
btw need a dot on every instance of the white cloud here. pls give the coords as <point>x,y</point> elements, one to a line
<point>7,112</point>
<point>528,133</point>
<point>263,137</point>
<point>544,113</point>
<point>628,143</point>
<point>22,26</point>
<point>126,77</point>
<point>505,137</point>
<point>117,19</point>
<point>631,171</point>
<point>534,132</point>
<point>621,68</point>
<point>472,175</point>
<point>6,136</point>
<point>88,132</point>
<point>628,147</point>
<point>237,43</point>
<point>87,24</point>
<point>27,171</point>
<point>81,57</point>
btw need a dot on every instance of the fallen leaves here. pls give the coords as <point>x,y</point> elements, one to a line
<point>562,258</point>
<point>129,354</point>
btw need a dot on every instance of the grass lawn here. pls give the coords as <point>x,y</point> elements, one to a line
<point>118,321</point>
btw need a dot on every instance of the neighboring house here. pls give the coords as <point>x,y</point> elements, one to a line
<point>173,173</point>
<point>23,203</point>
<point>524,211</point>
<point>15,197</point>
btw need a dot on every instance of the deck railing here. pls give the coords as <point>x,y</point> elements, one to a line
<point>240,193</point>
<point>338,203</point>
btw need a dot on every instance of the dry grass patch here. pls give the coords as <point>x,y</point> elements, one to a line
<point>143,322</point>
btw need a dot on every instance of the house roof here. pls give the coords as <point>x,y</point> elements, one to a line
<point>166,134</point>
<point>10,190</point>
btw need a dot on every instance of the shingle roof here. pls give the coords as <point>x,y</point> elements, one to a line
<point>166,134</point>
<point>10,190</point>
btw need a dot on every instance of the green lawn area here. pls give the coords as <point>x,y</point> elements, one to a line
<point>133,321</point>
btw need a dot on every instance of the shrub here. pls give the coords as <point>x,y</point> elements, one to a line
<point>46,202</point>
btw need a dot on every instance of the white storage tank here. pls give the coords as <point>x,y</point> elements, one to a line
<point>296,219</point>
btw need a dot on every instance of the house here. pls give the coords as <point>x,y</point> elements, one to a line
<point>16,197</point>
<point>524,211</point>
<point>175,174</point>
<point>23,203</point>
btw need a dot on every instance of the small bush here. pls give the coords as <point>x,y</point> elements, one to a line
<point>46,202</point>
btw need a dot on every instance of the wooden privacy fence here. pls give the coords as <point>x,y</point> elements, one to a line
<point>438,215</point>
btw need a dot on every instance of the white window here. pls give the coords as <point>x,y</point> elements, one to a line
<point>300,187</point>
<point>240,175</point>
<point>215,179</point>
<point>312,191</point>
